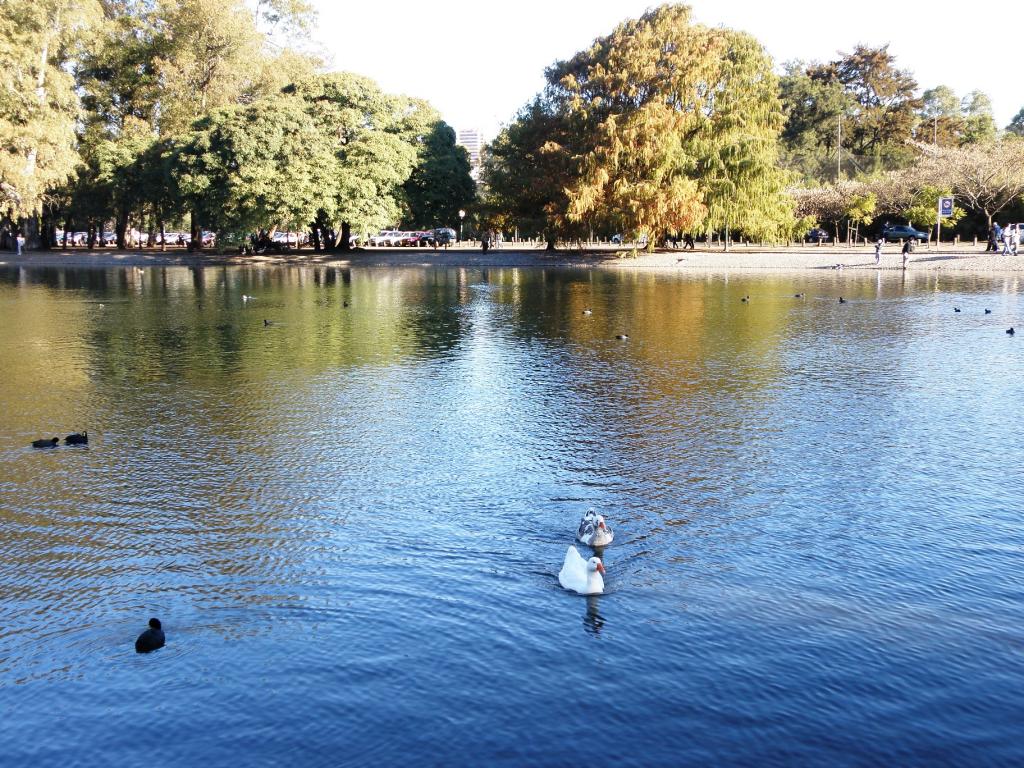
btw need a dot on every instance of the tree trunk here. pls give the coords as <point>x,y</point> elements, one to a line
<point>90,235</point>
<point>346,233</point>
<point>120,227</point>
<point>195,234</point>
<point>163,234</point>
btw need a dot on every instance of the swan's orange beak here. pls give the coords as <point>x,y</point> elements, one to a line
<point>600,567</point>
<point>601,524</point>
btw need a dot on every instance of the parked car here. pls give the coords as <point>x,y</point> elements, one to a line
<point>445,236</point>
<point>903,232</point>
<point>817,235</point>
<point>409,239</point>
<point>427,240</point>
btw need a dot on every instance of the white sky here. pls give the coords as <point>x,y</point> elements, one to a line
<point>478,62</point>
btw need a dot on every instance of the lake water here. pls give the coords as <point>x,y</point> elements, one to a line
<point>351,520</point>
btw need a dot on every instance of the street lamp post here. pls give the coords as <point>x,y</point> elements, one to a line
<point>462,215</point>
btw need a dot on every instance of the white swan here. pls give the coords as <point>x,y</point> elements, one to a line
<point>593,530</point>
<point>582,576</point>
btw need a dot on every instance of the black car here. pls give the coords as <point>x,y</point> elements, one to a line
<point>817,235</point>
<point>903,232</point>
<point>444,236</point>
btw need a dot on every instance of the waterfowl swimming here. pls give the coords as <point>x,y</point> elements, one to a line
<point>79,438</point>
<point>51,442</point>
<point>581,576</point>
<point>956,309</point>
<point>593,530</point>
<point>842,300</point>
<point>798,295</point>
<point>622,337</point>
<point>745,299</point>
<point>344,303</point>
<point>266,322</point>
<point>1010,331</point>
<point>588,311</point>
<point>247,297</point>
<point>988,311</point>
<point>151,639</point>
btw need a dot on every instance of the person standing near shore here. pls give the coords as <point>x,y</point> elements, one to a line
<point>1015,239</point>
<point>908,248</point>
<point>1007,239</point>
<point>19,240</point>
<point>994,236</point>
<point>878,250</point>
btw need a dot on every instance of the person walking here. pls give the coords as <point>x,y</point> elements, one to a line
<point>688,241</point>
<point>878,250</point>
<point>1015,239</point>
<point>1007,239</point>
<point>995,234</point>
<point>908,248</point>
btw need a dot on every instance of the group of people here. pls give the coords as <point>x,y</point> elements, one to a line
<point>1008,237</point>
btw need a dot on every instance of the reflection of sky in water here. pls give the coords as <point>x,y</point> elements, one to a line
<point>351,520</point>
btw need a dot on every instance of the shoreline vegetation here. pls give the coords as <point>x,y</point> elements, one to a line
<point>950,258</point>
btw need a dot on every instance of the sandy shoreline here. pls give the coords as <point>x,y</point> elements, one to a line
<point>745,258</point>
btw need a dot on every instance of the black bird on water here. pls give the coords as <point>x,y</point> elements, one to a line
<point>988,311</point>
<point>1010,331</point>
<point>798,295</point>
<point>842,300</point>
<point>956,309</point>
<point>151,639</point>
<point>79,438</point>
<point>745,299</point>
<point>344,303</point>
<point>622,337</point>
<point>47,442</point>
<point>266,322</point>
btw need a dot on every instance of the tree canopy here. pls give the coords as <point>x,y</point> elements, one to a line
<point>663,126</point>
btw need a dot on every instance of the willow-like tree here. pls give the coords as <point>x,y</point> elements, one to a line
<point>674,127</point>
<point>38,105</point>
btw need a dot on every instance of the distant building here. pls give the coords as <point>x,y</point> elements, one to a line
<point>470,139</point>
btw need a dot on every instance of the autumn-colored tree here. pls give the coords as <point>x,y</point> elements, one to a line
<point>526,172</point>
<point>672,127</point>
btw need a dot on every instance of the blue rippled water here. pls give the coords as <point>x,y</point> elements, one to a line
<point>351,519</point>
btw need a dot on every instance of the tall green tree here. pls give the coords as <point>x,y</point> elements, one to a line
<point>526,172</point>
<point>814,109</point>
<point>440,184</point>
<point>372,136</point>
<point>1016,125</point>
<point>979,122</point>
<point>263,165</point>
<point>861,97</point>
<point>39,41</point>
